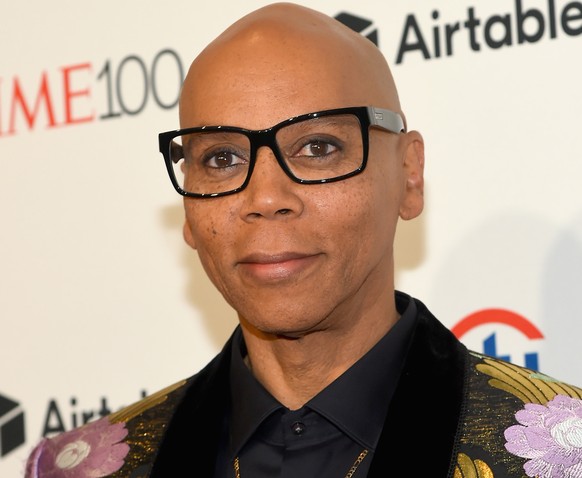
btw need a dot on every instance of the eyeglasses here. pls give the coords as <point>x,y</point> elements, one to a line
<point>313,148</point>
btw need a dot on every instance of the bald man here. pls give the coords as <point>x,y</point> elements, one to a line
<point>296,164</point>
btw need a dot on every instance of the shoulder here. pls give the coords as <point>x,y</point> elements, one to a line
<point>517,420</point>
<point>102,447</point>
<point>124,443</point>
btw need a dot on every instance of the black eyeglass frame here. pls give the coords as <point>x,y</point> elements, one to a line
<point>368,116</point>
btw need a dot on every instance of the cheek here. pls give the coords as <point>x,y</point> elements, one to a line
<point>212,234</point>
<point>362,214</point>
<point>208,222</point>
<point>212,249</point>
<point>374,215</point>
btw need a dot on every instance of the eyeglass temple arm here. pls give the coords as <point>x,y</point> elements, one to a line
<point>386,119</point>
<point>177,152</point>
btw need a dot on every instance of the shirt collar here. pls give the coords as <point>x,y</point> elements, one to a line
<point>356,402</point>
<point>251,403</point>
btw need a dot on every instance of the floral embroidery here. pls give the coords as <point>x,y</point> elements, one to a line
<point>550,437</point>
<point>92,451</point>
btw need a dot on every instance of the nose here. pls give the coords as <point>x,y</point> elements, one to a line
<point>270,193</point>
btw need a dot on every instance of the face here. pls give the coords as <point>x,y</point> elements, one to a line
<point>292,258</point>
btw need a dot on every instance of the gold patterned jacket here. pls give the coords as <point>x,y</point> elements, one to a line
<point>455,414</point>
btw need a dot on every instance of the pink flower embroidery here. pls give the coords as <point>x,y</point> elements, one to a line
<point>550,436</point>
<point>92,451</point>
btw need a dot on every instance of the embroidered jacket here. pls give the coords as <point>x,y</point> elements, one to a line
<point>455,414</point>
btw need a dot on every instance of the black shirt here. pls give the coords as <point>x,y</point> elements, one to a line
<point>323,438</point>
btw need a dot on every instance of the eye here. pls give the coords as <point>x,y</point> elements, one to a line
<point>317,148</point>
<point>222,159</point>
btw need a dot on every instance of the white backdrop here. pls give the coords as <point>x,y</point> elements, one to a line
<point>100,300</point>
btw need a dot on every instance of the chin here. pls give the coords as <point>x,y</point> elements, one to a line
<point>291,328</point>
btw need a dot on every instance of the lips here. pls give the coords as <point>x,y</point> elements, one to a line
<point>265,267</point>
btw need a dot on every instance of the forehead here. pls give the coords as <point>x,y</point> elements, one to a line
<point>259,76</point>
<point>261,97</point>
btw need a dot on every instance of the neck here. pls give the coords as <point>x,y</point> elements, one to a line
<point>296,369</point>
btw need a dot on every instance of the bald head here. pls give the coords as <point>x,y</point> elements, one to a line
<point>286,55</point>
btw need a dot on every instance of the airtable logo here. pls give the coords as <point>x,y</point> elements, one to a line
<point>500,317</point>
<point>11,425</point>
<point>430,34</point>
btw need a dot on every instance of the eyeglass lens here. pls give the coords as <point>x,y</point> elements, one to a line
<point>209,162</point>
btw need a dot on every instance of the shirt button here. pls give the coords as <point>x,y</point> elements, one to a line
<point>298,428</point>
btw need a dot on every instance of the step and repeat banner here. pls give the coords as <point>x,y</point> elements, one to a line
<point>101,302</point>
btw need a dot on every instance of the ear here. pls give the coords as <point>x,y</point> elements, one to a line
<point>187,233</point>
<point>412,201</point>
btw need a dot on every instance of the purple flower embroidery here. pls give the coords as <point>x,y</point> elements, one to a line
<point>92,451</point>
<point>550,436</point>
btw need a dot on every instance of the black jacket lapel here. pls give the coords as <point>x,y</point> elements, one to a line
<point>190,445</point>
<point>420,429</point>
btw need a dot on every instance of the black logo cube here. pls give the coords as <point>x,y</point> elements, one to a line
<point>11,425</point>
<point>360,25</point>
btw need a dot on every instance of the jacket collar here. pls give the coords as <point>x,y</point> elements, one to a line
<point>421,426</point>
<point>193,437</point>
<point>419,431</point>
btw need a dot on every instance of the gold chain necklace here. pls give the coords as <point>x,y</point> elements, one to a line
<point>350,473</point>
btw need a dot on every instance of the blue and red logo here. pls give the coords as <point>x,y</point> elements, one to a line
<point>495,323</point>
